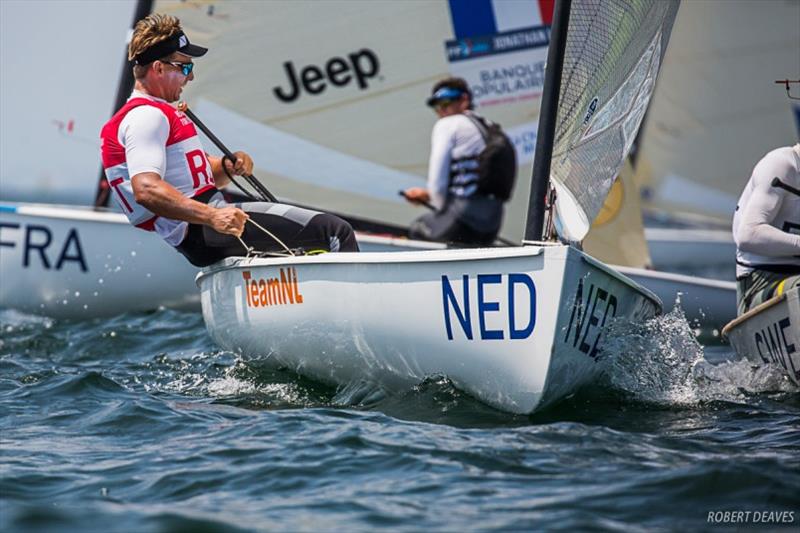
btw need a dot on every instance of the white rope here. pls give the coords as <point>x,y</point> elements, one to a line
<point>262,228</point>
<point>248,249</point>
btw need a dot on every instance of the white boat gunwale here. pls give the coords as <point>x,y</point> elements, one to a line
<point>428,256</point>
<point>64,211</point>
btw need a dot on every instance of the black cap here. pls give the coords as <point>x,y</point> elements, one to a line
<point>177,43</point>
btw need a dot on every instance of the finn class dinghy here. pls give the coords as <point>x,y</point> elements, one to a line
<point>518,328</point>
<point>770,333</point>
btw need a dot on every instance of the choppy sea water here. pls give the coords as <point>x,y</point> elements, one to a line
<point>139,423</point>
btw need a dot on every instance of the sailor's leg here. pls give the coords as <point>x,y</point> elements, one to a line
<point>471,237</point>
<point>441,226</point>
<point>286,225</point>
<point>446,227</point>
<point>296,228</point>
<point>761,286</point>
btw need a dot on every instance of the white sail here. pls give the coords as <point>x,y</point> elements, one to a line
<point>329,96</point>
<point>60,65</point>
<point>717,110</point>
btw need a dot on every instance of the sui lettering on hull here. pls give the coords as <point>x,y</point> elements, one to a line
<point>476,303</point>
<point>39,248</point>
<point>774,346</point>
<point>587,318</point>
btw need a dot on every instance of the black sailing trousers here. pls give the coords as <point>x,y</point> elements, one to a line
<point>296,227</point>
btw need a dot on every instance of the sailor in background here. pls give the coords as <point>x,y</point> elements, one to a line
<point>766,228</point>
<point>164,181</point>
<point>466,194</point>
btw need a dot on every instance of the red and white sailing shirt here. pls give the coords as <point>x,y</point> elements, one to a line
<point>149,135</point>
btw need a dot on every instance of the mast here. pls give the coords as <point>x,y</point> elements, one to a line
<point>540,178</point>
<point>143,8</point>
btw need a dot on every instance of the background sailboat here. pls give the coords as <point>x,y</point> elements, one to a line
<point>715,113</point>
<point>68,260</point>
<point>350,147</point>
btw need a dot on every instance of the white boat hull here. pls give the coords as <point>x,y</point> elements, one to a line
<point>77,262</point>
<point>770,333</point>
<point>672,248</point>
<point>518,328</point>
<point>69,262</point>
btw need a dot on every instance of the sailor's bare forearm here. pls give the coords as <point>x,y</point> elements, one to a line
<point>162,199</point>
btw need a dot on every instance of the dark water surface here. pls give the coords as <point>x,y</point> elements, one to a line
<point>138,423</point>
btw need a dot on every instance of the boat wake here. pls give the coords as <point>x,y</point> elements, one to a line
<point>661,362</point>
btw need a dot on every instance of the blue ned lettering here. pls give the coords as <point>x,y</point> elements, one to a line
<point>448,297</point>
<point>524,333</point>
<point>484,306</point>
<point>576,310</point>
<point>593,319</point>
<point>612,305</point>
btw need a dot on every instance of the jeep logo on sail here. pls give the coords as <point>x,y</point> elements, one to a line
<point>358,67</point>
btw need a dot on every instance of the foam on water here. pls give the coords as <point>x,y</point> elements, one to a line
<point>660,361</point>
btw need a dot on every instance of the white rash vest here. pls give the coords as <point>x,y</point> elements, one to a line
<point>453,137</point>
<point>766,225</point>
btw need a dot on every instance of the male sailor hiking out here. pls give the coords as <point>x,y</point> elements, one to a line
<point>766,228</point>
<point>467,182</point>
<point>164,181</point>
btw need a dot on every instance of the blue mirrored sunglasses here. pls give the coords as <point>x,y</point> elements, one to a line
<point>186,68</point>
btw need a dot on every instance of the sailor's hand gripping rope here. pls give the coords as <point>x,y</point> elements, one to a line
<point>262,191</point>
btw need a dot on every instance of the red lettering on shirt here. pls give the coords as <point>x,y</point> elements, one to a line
<point>115,183</point>
<point>198,167</point>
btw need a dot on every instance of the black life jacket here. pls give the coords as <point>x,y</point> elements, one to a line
<point>494,169</point>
